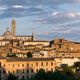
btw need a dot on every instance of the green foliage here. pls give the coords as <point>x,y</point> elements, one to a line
<point>41,75</point>
<point>11,77</point>
<point>22,79</point>
<point>29,55</point>
<point>77,66</point>
<point>59,75</point>
<point>63,73</point>
<point>11,55</point>
<point>64,66</point>
<point>50,75</point>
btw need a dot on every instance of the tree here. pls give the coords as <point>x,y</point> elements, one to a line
<point>29,55</point>
<point>49,75</point>
<point>63,73</point>
<point>77,66</point>
<point>22,79</point>
<point>41,75</point>
<point>11,55</point>
<point>11,77</point>
<point>58,75</point>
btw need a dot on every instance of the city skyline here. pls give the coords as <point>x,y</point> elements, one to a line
<point>47,19</point>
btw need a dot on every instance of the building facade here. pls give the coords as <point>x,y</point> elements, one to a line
<point>25,67</point>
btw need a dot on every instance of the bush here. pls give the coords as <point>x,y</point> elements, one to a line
<point>29,55</point>
<point>11,55</point>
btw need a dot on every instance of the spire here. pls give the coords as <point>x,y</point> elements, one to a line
<point>32,36</point>
<point>7,29</point>
<point>13,20</point>
<point>32,33</point>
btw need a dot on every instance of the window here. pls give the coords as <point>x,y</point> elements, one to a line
<point>4,72</point>
<point>22,65</point>
<point>27,65</point>
<point>4,65</point>
<point>22,77</point>
<point>51,63</point>
<point>59,45</point>
<point>10,50</point>
<point>18,65</point>
<point>8,72</point>
<point>60,40</point>
<point>13,72</point>
<point>37,64</point>
<point>46,63</point>
<point>17,71</point>
<point>13,65</point>
<point>27,70</point>
<point>32,70</point>
<point>27,77</point>
<point>23,70</point>
<point>51,69</point>
<point>41,63</point>
<point>36,70</point>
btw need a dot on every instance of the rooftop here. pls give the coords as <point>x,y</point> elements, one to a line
<point>14,59</point>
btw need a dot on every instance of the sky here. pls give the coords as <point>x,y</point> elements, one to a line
<point>47,19</point>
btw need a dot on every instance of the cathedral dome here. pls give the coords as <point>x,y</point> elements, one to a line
<point>8,34</point>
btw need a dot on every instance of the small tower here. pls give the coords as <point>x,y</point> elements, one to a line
<point>13,27</point>
<point>32,36</point>
<point>7,29</point>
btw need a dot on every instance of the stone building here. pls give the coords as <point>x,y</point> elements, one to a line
<point>25,67</point>
<point>12,43</point>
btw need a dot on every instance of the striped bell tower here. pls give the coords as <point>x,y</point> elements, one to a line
<point>13,27</point>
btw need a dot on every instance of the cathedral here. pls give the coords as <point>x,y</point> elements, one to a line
<point>11,34</point>
<point>12,43</point>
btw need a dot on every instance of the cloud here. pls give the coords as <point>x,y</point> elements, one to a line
<point>17,6</point>
<point>54,13</point>
<point>3,8</point>
<point>12,2</point>
<point>60,18</point>
<point>51,2</point>
<point>32,7</point>
<point>21,11</point>
<point>70,34</point>
<point>73,14</point>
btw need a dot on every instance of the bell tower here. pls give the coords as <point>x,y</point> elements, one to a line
<point>13,27</point>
